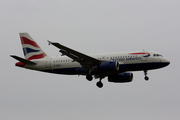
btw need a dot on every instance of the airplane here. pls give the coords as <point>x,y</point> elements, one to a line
<point>117,67</point>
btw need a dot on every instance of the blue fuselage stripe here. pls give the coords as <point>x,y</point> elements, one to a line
<point>122,68</point>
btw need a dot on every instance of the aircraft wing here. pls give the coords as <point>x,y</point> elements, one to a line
<point>84,60</point>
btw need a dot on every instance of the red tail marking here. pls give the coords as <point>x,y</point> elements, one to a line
<point>37,56</point>
<point>25,40</point>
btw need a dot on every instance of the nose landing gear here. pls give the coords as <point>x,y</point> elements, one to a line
<point>146,77</point>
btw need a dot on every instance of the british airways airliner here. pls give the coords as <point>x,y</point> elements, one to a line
<point>116,67</point>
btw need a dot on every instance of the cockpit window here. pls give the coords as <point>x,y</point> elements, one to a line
<point>157,55</point>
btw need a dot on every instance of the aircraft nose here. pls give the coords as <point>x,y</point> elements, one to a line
<point>167,62</point>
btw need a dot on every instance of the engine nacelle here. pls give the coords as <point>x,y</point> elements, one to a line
<point>108,66</point>
<point>121,78</point>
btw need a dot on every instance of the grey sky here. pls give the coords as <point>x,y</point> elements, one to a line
<point>90,26</point>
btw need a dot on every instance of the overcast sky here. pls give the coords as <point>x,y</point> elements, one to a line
<point>90,26</point>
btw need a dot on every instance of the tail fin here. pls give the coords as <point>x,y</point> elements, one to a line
<point>30,48</point>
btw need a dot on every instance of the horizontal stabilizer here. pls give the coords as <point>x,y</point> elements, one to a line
<point>23,60</point>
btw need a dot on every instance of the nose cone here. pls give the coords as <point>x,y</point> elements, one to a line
<point>166,62</point>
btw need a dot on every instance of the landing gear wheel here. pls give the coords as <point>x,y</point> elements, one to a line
<point>146,78</point>
<point>99,84</point>
<point>89,77</point>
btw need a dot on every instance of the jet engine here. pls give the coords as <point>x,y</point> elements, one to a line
<point>121,78</point>
<point>108,66</point>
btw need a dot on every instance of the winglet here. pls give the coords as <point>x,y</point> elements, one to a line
<point>49,42</point>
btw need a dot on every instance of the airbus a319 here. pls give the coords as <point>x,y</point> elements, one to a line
<point>117,67</point>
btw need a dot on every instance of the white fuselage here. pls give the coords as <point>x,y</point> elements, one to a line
<point>127,62</point>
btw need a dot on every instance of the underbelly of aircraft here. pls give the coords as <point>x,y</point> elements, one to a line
<point>122,68</point>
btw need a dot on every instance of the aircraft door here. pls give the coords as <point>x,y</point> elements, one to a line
<point>144,56</point>
<point>48,63</point>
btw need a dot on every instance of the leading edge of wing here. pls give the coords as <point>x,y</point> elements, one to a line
<point>75,55</point>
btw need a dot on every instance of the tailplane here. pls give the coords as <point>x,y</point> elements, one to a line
<point>23,60</point>
<point>30,48</point>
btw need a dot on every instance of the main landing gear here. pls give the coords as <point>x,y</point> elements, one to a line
<point>99,83</point>
<point>146,77</point>
<point>89,77</point>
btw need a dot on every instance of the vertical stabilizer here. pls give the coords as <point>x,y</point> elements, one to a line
<point>30,48</point>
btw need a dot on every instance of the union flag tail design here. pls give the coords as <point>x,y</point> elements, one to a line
<point>30,48</point>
